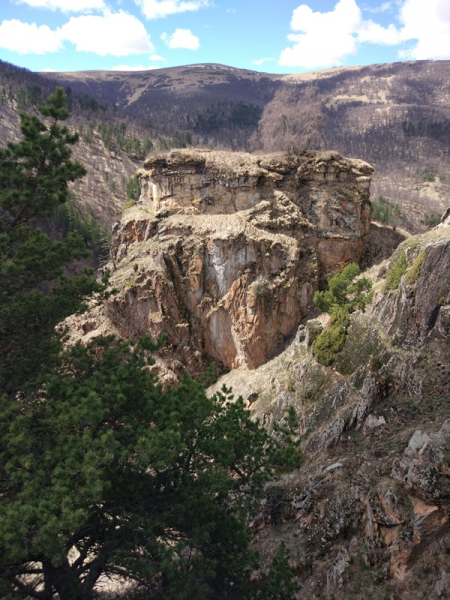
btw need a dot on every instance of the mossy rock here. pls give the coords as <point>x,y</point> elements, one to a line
<point>364,344</point>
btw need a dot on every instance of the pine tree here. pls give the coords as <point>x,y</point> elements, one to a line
<point>135,481</point>
<point>34,295</point>
<point>102,472</point>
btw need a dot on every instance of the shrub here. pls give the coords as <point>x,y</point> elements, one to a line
<point>395,274</point>
<point>332,340</point>
<point>129,204</point>
<point>260,287</point>
<point>344,292</point>
<point>431,219</point>
<point>412,275</point>
<point>428,175</point>
<point>344,296</point>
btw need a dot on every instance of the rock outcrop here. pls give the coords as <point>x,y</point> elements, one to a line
<point>419,307</point>
<point>223,254</point>
<point>368,513</point>
<point>224,251</point>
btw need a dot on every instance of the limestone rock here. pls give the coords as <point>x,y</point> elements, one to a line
<point>333,432</point>
<point>224,251</point>
<point>372,422</point>
<point>313,329</point>
<point>440,586</point>
<point>369,395</point>
<point>433,285</point>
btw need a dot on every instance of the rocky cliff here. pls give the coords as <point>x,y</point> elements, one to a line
<point>367,516</point>
<point>223,254</point>
<point>224,251</point>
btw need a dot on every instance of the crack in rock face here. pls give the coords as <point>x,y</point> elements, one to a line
<point>224,251</point>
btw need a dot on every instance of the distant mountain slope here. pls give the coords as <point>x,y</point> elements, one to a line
<point>216,103</point>
<point>394,116</point>
<point>109,169</point>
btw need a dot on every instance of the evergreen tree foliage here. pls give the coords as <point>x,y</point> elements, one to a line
<point>34,295</point>
<point>102,471</point>
<point>133,188</point>
<point>344,295</point>
<point>70,217</point>
<point>385,211</point>
<point>136,481</point>
<point>344,292</point>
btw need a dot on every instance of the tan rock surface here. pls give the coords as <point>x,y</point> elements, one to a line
<point>224,251</point>
<point>375,430</point>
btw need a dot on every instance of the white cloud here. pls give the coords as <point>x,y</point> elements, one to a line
<point>182,38</point>
<point>118,34</point>
<point>155,9</point>
<point>429,24</point>
<point>26,38</point>
<point>376,34</point>
<point>129,68</point>
<point>65,5</point>
<point>260,61</point>
<point>156,57</point>
<point>327,39</point>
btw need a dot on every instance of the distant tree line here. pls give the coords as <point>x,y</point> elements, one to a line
<point>385,211</point>
<point>117,136</point>
<point>227,114</point>
<point>432,129</point>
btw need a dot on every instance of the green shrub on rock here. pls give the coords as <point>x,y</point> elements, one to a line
<point>413,273</point>
<point>395,274</point>
<point>332,340</point>
<point>344,292</point>
<point>343,296</point>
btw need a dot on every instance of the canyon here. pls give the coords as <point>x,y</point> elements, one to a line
<point>222,254</point>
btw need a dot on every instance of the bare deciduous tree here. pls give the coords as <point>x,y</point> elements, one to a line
<point>290,122</point>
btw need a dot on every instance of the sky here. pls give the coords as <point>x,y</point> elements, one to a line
<point>282,36</point>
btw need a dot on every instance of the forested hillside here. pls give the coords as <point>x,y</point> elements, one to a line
<point>394,116</point>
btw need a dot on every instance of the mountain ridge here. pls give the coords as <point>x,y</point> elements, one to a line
<point>393,115</point>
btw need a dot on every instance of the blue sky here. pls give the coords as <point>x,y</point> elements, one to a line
<point>283,36</point>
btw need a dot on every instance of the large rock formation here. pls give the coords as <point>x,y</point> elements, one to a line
<point>368,513</point>
<point>224,251</point>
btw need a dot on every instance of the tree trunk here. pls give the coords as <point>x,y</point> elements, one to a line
<point>66,582</point>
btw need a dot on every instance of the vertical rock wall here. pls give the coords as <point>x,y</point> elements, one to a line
<point>224,251</point>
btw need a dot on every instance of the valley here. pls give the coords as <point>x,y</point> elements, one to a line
<point>219,253</point>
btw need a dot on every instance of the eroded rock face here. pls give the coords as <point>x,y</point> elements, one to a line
<point>371,502</point>
<point>418,310</point>
<point>224,251</point>
<point>320,193</point>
